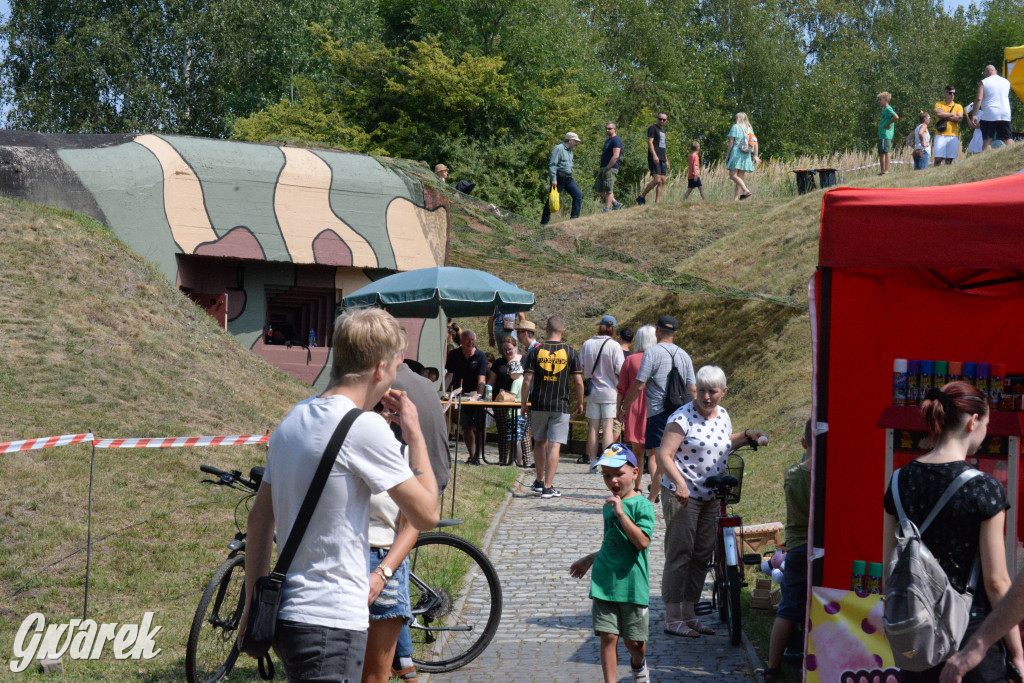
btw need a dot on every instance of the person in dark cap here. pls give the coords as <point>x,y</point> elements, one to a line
<point>652,379</point>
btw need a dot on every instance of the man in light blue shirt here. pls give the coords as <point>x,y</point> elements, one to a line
<point>560,168</point>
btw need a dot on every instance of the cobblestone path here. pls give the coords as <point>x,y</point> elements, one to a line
<point>545,627</point>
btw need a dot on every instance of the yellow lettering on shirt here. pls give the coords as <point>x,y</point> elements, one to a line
<point>552,363</point>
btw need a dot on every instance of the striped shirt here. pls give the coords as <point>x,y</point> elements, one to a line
<point>552,365</point>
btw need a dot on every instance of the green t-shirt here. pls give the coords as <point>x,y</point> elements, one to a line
<point>884,130</point>
<point>798,503</point>
<point>621,572</point>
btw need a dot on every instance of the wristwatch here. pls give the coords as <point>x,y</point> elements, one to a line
<point>385,571</point>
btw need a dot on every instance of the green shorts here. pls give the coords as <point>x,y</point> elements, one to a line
<point>884,145</point>
<point>621,618</point>
<point>605,182</point>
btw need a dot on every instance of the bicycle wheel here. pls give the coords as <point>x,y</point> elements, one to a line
<point>456,601</point>
<point>733,581</point>
<point>211,653</point>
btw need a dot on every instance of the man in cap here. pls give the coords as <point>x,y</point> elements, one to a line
<point>602,360</point>
<point>441,171</point>
<point>560,168</point>
<point>652,379</point>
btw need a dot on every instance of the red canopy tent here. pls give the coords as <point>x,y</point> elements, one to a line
<point>928,273</point>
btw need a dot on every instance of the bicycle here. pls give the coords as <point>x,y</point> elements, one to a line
<point>728,567</point>
<point>454,591</point>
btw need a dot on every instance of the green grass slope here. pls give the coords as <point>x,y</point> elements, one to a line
<point>734,273</point>
<point>95,338</point>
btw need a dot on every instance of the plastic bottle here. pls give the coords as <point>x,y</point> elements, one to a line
<point>956,371</point>
<point>995,386</point>
<point>981,379</point>
<point>927,378</point>
<point>969,370</point>
<point>312,337</point>
<point>941,373</point>
<point>913,382</point>
<point>857,577</point>
<point>270,334</point>
<point>874,580</point>
<point>899,382</point>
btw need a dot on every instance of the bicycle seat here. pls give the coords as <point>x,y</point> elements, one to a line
<point>721,480</point>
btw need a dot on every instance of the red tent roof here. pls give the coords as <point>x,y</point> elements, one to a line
<point>974,225</point>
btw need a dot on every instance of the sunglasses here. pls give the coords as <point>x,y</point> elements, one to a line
<point>663,119</point>
<point>951,92</point>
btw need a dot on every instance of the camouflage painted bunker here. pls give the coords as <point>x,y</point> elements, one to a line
<point>264,237</point>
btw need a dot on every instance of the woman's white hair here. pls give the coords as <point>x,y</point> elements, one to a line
<point>644,339</point>
<point>711,376</point>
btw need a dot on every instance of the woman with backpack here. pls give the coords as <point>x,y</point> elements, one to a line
<point>968,528</point>
<point>741,154</point>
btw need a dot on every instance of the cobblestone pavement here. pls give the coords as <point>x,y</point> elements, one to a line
<point>545,627</point>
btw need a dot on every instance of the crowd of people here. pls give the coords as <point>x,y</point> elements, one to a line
<point>988,115</point>
<point>646,409</point>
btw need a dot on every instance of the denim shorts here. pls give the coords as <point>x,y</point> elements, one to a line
<point>393,601</point>
<point>655,429</point>
<point>793,605</point>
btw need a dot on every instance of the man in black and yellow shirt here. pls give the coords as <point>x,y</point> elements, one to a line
<point>549,368</point>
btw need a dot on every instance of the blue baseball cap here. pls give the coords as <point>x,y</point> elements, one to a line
<point>617,455</point>
<point>608,320</point>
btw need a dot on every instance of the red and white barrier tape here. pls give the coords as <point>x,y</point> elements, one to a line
<point>44,442</point>
<point>184,441</point>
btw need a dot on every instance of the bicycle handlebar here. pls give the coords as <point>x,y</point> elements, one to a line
<point>230,478</point>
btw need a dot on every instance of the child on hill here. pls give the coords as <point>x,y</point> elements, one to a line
<point>693,172</point>
<point>886,126</point>
<point>620,583</point>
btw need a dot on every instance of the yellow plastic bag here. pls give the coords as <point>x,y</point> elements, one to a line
<point>553,200</point>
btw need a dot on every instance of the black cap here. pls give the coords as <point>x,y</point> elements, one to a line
<point>667,322</point>
<point>626,334</point>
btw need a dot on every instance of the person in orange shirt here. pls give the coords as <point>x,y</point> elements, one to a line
<point>693,173</point>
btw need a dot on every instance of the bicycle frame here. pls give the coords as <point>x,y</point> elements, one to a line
<point>728,548</point>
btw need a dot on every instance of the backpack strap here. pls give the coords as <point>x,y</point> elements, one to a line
<point>950,491</point>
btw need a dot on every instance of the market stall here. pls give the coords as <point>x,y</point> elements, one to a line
<point>925,273</point>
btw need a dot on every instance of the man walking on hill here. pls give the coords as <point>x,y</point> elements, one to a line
<point>993,99</point>
<point>602,360</point>
<point>657,159</point>
<point>560,168</point>
<point>605,183</point>
<point>547,372</point>
<point>652,379</point>
<point>948,115</point>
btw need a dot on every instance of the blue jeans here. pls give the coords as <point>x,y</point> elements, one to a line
<point>565,184</point>
<point>922,163</point>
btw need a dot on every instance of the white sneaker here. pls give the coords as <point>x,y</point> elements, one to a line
<point>641,675</point>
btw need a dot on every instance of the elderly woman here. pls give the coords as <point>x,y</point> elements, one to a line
<point>697,442</point>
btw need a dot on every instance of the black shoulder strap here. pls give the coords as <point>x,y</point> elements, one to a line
<point>316,487</point>
<point>598,357</point>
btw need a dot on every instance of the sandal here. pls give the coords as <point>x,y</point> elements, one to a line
<point>673,628</point>
<point>408,674</point>
<point>771,675</point>
<point>746,194</point>
<point>698,626</point>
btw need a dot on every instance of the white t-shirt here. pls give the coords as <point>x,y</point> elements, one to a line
<point>606,374</point>
<point>995,106</point>
<point>704,451</point>
<point>328,580</point>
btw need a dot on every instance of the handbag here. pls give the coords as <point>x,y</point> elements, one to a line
<point>266,593</point>
<point>588,383</point>
<point>941,126</point>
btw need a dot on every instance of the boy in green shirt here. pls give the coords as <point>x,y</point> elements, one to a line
<point>620,584</point>
<point>886,126</point>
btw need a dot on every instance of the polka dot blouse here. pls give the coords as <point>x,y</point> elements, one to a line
<point>704,451</point>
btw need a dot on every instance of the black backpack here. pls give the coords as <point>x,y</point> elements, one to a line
<point>676,392</point>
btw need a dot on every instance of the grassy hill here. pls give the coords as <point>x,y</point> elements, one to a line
<point>97,339</point>
<point>733,273</point>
